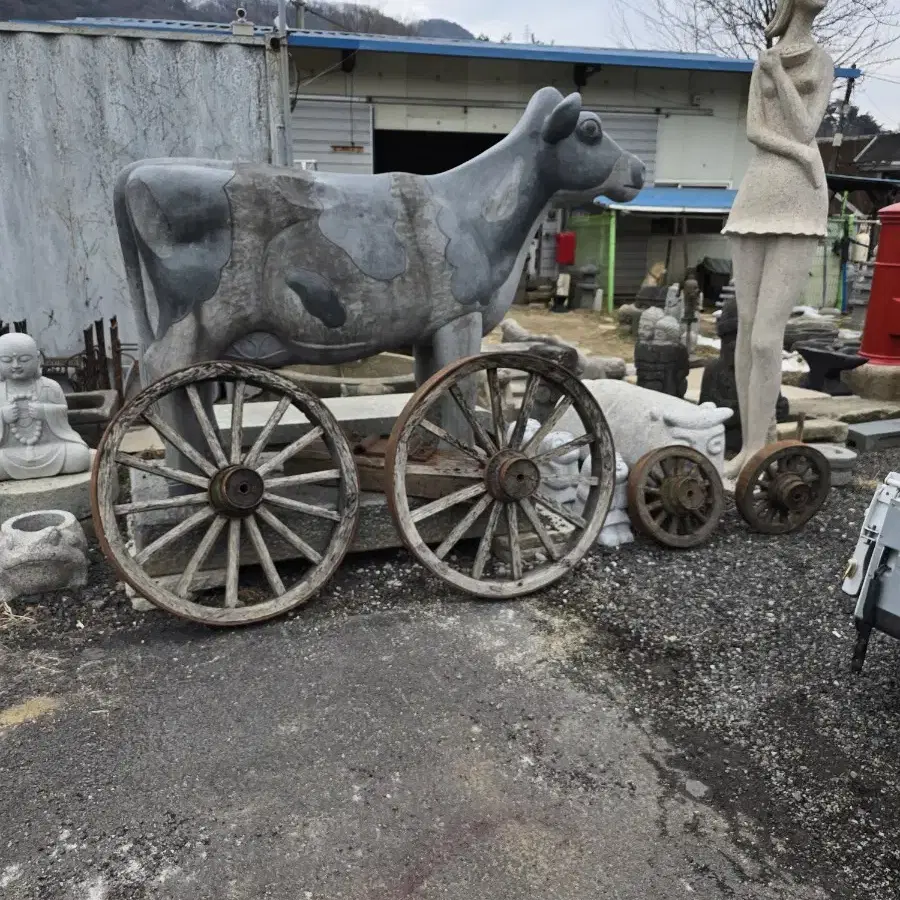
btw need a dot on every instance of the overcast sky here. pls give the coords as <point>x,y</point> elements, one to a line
<point>593,24</point>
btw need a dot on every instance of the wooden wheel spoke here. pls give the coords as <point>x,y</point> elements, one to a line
<point>125,509</point>
<point>264,557</point>
<point>532,515</point>
<point>565,448</point>
<point>199,556</point>
<point>515,547</point>
<point>561,408</point>
<point>291,451</point>
<point>483,438</point>
<point>487,539</point>
<point>294,540</point>
<point>515,439</point>
<point>259,444</point>
<point>233,570</point>
<point>439,505</point>
<point>206,426</point>
<point>496,407</point>
<point>237,423</point>
<point>174,534</point>
<point>151,468</point>
<point>472,452</point>
<point>304,478</point>
<point>179,443</point>
<point>570,517</point>
<point>461,527</point>
<point>320,512</point>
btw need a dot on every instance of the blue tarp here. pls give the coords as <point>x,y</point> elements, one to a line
<point>676,201</point>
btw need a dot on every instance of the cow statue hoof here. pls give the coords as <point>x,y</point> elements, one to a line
<point>179,533</point>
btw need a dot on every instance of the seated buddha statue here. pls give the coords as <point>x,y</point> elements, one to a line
<point>36,440</point>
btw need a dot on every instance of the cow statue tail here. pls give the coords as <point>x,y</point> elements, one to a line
<point>132,258</point>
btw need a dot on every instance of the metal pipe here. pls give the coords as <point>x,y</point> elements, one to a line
<point>285,82</point>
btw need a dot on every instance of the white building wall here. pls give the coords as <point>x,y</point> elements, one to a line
<point>73,111</point>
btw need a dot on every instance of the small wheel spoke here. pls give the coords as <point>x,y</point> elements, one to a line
<point>180,444</point>
<point>481,435</point>
<point>461,527</point>
<point>174,534</point>
<point>496,407</point>
<point>294,540</point>
<point>320,512</point>
<point>532,515</point>
<point>437,431</point>
<point>570,517</point>
<point>654,505</point>
<point>304,478</point>
<point>264,557</point>
<point>564,448</point>
<point>515,548</point>
<point>487,539</point>
<point>439,505</point>
<point>233,570</point>
<point>260,443</point>
<point>182,589</point>
<point>143,465</point>
<point>291,451</point>
<point>237,423</point>
<point>531,387</point>
<point>125,509</point>
<point>561,408</point>
<point>206,426</point>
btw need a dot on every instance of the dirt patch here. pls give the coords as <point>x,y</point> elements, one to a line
<point>28,711</point>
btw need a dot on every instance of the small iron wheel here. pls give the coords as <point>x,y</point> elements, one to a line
<point>675,496</point>
<point>782,487</point>
<point>237,507</point>
<point>526,540</point>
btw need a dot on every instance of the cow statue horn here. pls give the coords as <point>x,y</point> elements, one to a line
<point>562,121</point>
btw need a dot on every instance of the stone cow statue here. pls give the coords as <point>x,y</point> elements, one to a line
<point>281,266</point>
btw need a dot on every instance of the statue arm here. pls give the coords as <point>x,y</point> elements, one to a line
<point>760,135</point>
<point>804,116</point>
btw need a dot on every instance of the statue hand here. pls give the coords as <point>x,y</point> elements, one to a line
<point>769,61</point>
<point>34,410</point>
<point>10,413</point>
<point>812,162</point>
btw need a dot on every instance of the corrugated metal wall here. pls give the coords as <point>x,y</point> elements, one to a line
<point>638,134</point>
<point>330,131</point>
<point>74,111</point>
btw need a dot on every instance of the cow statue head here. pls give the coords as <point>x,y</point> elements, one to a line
<point>576,153</point>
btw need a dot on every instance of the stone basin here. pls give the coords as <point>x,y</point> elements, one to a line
<point>386,373</point>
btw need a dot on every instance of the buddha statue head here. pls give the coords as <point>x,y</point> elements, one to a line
<point>20,359</point>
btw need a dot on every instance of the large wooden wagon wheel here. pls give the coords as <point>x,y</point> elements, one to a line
<point>525,540</point>
<point>782,487</point>
<point>675,496</point>
<point>241,506</point>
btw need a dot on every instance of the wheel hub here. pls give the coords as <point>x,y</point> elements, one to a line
<point>683,494</point>
<point>512,476</point>
<point>236,490</point>
<point>792,492</point>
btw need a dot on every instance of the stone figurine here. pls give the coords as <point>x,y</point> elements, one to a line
<point>560,474</point>
<point>781,208</point>
<point>339,267</point>
<point>36,440</point>
<point>660,357</point>
<point>616,529</point>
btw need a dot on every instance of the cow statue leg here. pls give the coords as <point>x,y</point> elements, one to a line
<point>459,338</point>
<point>177,349</point>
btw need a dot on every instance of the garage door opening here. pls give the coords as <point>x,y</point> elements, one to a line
<point>428,152</point>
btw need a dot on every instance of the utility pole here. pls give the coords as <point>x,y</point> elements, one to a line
<point>842,118</point>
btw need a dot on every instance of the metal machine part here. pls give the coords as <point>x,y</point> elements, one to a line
<point>873,572</point>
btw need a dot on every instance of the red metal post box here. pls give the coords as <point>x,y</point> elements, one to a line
<point>565,248</point>
<point>881,335</point>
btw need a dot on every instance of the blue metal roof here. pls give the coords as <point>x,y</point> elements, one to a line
<point>674,201</point>
<point>376,43</point>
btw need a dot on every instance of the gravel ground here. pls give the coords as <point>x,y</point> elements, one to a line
<point>737,653</point>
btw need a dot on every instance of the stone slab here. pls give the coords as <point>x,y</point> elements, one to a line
<point>792,393</point>
<point>71,493</point>
<point>874,382</point>
<point>874,435</point>
<point>814,430</point>
<point>845,409</point>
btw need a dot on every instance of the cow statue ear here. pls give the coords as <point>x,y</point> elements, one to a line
<point>562,121</point>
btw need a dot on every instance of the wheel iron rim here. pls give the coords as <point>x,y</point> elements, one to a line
<point>236,490</point>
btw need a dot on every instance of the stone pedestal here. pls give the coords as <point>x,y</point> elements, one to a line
<point>874,382</point>
<point>71,493</point>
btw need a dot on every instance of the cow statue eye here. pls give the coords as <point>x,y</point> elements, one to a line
<point>590,131</point>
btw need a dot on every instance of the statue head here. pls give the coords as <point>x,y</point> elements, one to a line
<point>20,359</point>
<point>647,323</point>
<point>667,330</point>
<point>784,14</point>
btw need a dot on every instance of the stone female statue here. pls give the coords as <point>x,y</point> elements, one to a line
<point>36,440</point>
<point>781,209</point>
